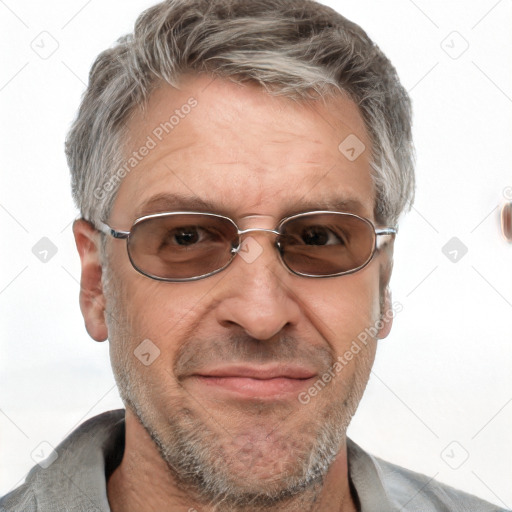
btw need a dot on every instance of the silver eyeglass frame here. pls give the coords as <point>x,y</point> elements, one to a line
<point>125,235</point>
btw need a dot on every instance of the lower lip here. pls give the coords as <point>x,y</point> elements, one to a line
<point>279,387</point>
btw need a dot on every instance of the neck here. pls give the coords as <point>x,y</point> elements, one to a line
<point>144,483</point>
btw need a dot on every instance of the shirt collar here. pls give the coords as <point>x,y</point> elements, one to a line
<point>98,445</point>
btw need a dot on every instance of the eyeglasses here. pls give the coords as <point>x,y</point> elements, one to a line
<point>185,246</point>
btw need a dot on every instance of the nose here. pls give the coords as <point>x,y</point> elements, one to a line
<point>257,294</point>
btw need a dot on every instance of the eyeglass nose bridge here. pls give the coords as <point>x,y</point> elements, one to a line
<point>242,232</point>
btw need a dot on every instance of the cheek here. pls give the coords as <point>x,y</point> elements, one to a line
<point>343,308</point>
<point>153,320</point>
<point>165,313</point>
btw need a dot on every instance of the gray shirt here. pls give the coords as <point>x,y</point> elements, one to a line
<point>76,480</point>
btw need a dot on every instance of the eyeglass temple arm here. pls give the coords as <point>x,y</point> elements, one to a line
<point>386,232</point>
<point>105,228</point>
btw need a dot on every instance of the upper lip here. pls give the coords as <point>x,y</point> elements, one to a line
<point>289,371</point>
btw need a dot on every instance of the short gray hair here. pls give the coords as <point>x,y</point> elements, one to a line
<point>295,48</point>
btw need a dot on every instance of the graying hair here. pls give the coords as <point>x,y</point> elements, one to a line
<point>295,48</point>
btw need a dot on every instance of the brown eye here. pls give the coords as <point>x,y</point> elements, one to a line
<point>319,235</point>
<point>185,236</point>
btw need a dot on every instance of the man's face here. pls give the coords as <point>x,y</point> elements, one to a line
<point>256,159</point>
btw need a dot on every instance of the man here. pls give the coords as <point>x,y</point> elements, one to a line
<point>240,168</point>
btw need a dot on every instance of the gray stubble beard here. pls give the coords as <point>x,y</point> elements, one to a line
<point>195,454</point>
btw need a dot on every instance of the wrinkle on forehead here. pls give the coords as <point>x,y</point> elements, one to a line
<point>248,153</point>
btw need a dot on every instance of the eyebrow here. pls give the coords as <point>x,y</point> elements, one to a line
<point>166,202</point>
<point>169,202</point>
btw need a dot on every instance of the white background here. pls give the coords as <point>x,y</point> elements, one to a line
<point>442,376</point>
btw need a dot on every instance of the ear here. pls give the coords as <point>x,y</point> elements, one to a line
<point>92,300</point>
<point>386,314</point>
<point>386,303</point>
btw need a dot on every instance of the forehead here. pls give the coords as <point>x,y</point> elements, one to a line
<point>240,151</point>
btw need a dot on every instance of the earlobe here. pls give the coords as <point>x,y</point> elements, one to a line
<point>92,299</point>
<point>386,315</point>
<point>386,303</point>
